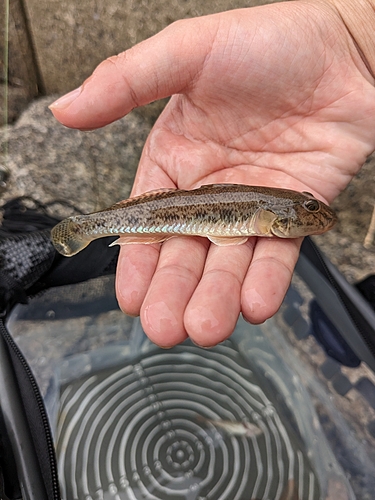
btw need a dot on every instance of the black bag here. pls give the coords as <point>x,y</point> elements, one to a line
<point>28,265</point>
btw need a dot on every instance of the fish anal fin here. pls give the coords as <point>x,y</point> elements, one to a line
<point>223,241</point>
<point>263,220</point>
<point>143,239</point>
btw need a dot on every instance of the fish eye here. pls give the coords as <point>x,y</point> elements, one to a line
<point>311,205</point>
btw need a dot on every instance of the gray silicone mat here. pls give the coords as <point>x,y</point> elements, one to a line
<point>157,428</point>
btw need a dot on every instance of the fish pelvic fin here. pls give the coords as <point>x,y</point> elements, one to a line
<point>223,241</point>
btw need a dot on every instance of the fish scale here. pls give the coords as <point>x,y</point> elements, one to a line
<point>225,213</point>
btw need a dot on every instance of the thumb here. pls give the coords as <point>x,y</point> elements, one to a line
<point>160,66</point>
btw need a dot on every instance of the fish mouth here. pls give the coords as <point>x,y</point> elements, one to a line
<point>328,223</point>
<point>333,220</point>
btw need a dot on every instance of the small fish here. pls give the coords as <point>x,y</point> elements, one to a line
<point>290,492</point>
<point>227,214</point>
<point>245,429</point>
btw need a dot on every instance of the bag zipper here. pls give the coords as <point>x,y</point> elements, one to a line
<point>50,477</point>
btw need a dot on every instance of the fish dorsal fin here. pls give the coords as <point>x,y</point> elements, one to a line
<point>156,191</point>
<point>141,197</point>
<point>228,184</point>
<point>306,193</point>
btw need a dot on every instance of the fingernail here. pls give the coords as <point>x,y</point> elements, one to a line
<point>66,99</point>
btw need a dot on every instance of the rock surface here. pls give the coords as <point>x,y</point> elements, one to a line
<point>344,244</point>
<point>49,161</point>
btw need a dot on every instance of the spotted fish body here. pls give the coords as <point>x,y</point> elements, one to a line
<point>227,214</point>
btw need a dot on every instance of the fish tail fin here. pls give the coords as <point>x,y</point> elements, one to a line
<point>67,239</point>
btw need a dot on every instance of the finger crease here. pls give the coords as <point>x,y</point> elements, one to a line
<point>179,272</point>
<point>225,271</point>
<point>263,260</point>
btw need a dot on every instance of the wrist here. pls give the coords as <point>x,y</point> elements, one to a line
<point>358,17</point>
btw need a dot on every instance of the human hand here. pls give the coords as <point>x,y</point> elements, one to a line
<point>276,96</point>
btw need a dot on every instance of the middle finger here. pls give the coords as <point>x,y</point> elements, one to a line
<point>213,310</point>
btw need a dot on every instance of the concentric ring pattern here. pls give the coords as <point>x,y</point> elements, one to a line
<point>158,428</point>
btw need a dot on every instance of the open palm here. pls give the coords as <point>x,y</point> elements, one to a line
<point>274,96</point>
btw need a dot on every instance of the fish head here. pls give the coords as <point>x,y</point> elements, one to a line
<point>304,217</point>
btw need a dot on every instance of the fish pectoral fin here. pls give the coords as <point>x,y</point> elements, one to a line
<point>143,239</point>
<point>263,220</point>
<point>223,241</point>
